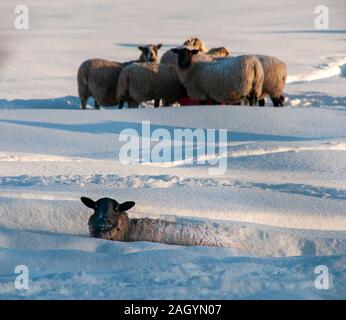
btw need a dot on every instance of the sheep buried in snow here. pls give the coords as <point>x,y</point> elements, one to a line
<point>141,82</point>
<point>111,222</point>
<point>229,80</point>
<point>98,78</point>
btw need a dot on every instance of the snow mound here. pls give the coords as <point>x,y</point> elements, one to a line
<point>66,267</point>
<point>326,70</point>
<point>343,70</point>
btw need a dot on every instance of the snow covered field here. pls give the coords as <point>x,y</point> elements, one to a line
<point>282,199</point>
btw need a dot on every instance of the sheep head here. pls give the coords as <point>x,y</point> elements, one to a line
<point>107,214</point>
<point>219,52</point>
<point>185,55</point>
<point>149,52</point>
<point>196,43</point>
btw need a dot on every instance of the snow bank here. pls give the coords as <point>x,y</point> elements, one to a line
<point>281,202</point>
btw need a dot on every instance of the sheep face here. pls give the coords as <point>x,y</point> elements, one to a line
<point>219,52</point>
<point>185,56</point>
<point>106,214</point>
<point>150,52</point>
<point>196,44</point>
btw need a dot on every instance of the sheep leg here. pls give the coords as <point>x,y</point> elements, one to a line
<point>97,106</point>
<point>252,99</point>
<point>261,102</point>
<point>121,104</point>
<point>278,102</point>
<point>132,104</point>
<point>156,103</point>
<point>83,103</point>
<point>281,101</point>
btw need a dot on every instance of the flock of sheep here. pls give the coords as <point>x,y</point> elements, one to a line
<point>188,74</point>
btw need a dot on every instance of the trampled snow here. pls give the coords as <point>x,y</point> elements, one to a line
<point>281,201</point>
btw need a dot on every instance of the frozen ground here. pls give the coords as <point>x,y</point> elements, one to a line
<point>282,199</point>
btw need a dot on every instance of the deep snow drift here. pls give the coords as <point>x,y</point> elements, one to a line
<point>281,201</point>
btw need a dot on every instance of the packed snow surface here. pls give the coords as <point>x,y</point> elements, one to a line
<point>281,200</point>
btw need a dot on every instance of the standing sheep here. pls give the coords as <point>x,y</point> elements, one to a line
<point>228,80</point>
<point>275,75</point>
<point>98,78</point>
<point>140,82</point>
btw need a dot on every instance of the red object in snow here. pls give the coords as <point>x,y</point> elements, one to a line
<point>186,101</point>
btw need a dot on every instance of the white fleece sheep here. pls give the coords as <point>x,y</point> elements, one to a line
<point>98,78</point>
<point>275,75</point>
<point>229,80</point>
<point>141,82</point>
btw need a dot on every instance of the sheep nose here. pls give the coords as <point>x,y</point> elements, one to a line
<point>100,215</point>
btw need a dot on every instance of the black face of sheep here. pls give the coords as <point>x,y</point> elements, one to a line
<point>185,57</point>
<point>149,52</point>
<point>106,213</point>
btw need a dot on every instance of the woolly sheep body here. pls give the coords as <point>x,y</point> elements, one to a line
<point>275,75</point>
<point>140,82</point>
<point>155,230</point>
<point>169,57</point>
<point>98,78</point>
<point>111,222</point>
<point>228,80</point>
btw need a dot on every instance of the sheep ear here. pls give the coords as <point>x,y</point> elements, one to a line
<point>140,48</point>
<point>88,202</point>
<point>126,206</point>
<point>176,50</point>
<point>194,51</point>
<point>159,46</point>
